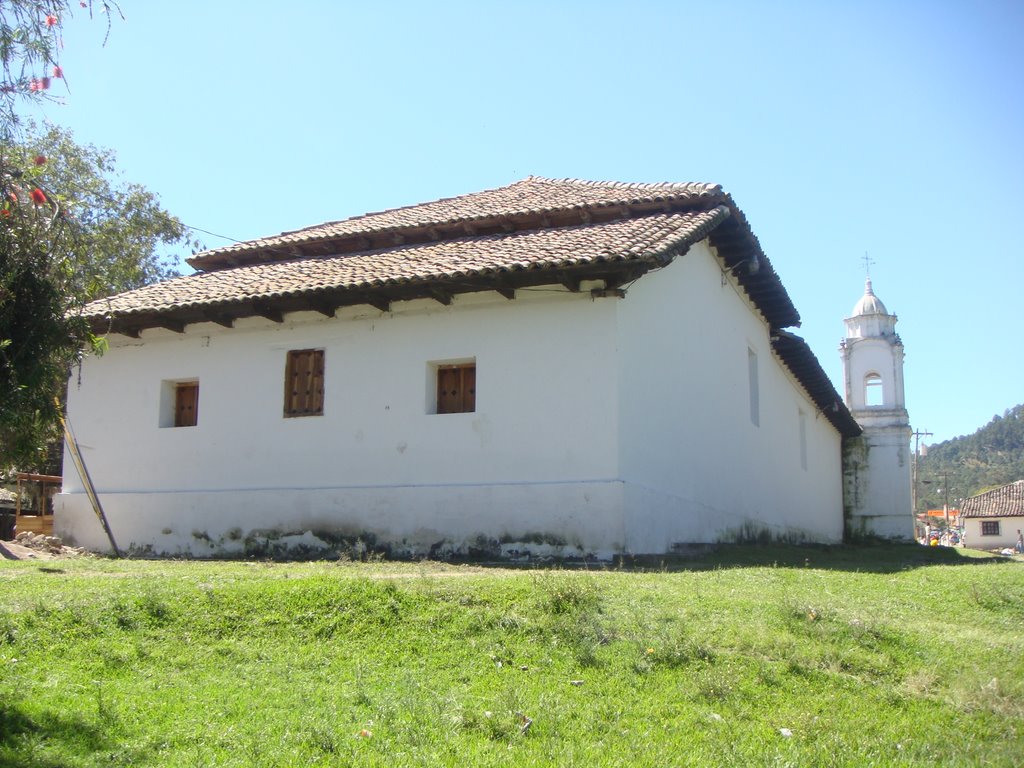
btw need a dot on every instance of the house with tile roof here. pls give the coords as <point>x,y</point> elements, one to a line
<point>554,367</point>
<point>994,519</point>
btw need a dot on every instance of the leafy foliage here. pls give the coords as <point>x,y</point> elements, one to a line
<point>120,235</point>
<point>30,44</point>
<point>70,231</point>
<point>40,336</point>
<point>991,457</point>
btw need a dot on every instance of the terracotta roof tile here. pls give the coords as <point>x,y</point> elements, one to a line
<point>441,262</point>
<point>1007,501</point>
<point>529,196</point>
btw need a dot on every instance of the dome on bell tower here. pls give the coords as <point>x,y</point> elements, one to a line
<point>870,318</point>
<point>869,304</point>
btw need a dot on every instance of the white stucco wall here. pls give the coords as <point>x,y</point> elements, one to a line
<point>377,463</point>
<point>877,476</point>
<point>695,466</point>
<point>601,426</point>
<point>1008,527</point>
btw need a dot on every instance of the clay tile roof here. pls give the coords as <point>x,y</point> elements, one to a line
<point>448,262</point>
<point>531,196</point>
<point>1007,501</point>
<point>557,230</point>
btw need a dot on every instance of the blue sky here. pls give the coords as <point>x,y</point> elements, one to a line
<point>893,129</point>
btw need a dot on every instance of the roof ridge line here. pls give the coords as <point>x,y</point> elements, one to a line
<point>704,191</point>
<point>710,186</point>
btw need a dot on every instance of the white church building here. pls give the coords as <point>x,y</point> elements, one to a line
<point>554,367</point>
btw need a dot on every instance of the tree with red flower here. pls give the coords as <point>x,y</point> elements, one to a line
<point>41,270</point>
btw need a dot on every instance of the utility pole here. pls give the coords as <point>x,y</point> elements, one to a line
<point>945,498</point>
<point>917,435</point>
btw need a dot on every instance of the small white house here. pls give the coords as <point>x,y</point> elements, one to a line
<point>994,519</point>
<point>552,367</point>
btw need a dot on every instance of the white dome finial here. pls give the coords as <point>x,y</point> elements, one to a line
<point>869,304</point>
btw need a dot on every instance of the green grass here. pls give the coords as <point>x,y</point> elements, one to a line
<point>868,656</point>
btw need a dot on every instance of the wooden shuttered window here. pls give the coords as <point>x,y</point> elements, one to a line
<point>186,404</point>
<point>456,388</point>
<point>304,383</point>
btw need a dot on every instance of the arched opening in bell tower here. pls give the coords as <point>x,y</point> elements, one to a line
<point>874,392</point>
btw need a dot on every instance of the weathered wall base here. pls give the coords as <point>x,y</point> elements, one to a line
<point>586,520</point>
<point>876,484</point>
<point>582,520</point>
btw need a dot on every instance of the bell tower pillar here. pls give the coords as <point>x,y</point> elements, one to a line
<point>876,465</point>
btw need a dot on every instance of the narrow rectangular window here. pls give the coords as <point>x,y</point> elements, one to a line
<point>989,527</point>
<point>304,383</point>
<point>755,404</point>
<point>456,388</point>
<point>186,404</point>
<point>803,440</point>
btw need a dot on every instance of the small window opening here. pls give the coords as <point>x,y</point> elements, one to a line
<point>304,383</point>
<point>873,390</point>
<point>186,404</point>
<point>989,527</point>
<point>179,403</point>
<point>456,388</point>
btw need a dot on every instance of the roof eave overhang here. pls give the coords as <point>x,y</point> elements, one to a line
<point>612,274</point>
<point>797,356</point>
<point>731,235</point>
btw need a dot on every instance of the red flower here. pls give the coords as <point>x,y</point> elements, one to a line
<point>58,72</point>
<point>40,160</point>
<point>44,83</point>
<point>38,196</point>
<point>34,85</point>
<point>13,197</point>
<point>51,20</point>
<point>5,212</point>
<point>83,3</point>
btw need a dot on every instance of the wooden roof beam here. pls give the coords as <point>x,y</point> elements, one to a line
<point>324,307</point>
<point>219,318</point>
<point>618,279</point>
<point>268,312</point>
<point>572,282</point>
<point>439,295</point>
<point>375,300</point>
<point>177,326</point>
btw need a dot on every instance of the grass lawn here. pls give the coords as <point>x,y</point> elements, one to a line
<point>749,656</point>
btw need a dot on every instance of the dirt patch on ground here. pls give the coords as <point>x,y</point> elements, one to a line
<point>31,546</point>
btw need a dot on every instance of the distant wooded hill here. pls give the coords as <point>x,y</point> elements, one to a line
<point>991,457</point>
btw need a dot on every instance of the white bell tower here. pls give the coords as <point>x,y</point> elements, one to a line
<point>877,464</point>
